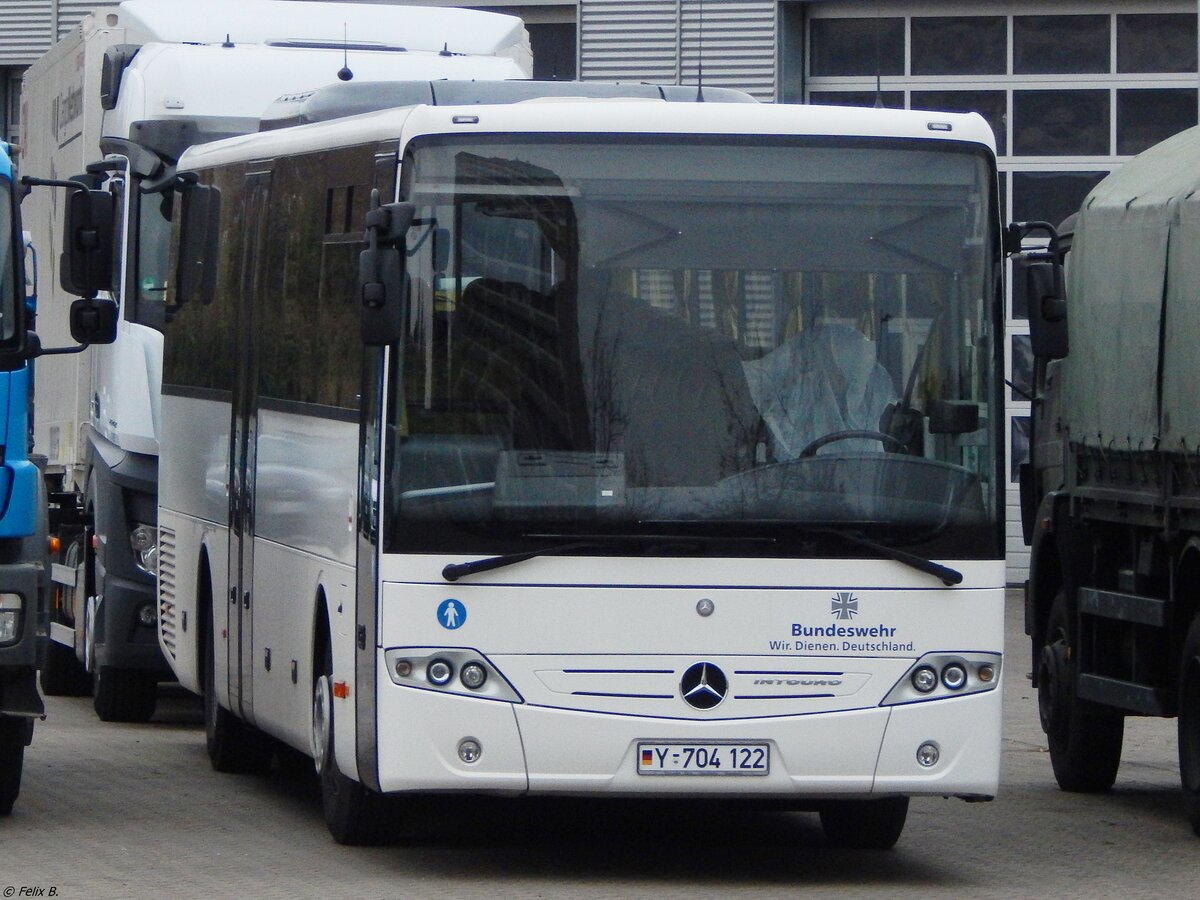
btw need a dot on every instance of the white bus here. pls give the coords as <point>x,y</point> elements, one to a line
<point>629,448</point>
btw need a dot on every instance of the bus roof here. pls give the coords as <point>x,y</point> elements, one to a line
<point>596,116</point>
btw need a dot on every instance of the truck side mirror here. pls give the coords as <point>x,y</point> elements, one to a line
<point>381,271</point>
<point>93,321</point>
<point>87,259</point>
<point>1048,336</point>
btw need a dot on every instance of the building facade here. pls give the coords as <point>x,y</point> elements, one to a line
<point>1072,88</point>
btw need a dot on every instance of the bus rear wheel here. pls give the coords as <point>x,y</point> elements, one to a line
<point>233,746</point>
<point>354,814</point>
<point>1085,746</point>
<point>864,824</point>
<point>1189,725</point>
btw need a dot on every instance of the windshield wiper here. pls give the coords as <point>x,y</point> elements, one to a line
<point>454,571</point>
<point>945,573</point>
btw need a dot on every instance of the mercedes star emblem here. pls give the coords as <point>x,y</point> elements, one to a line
<point>703,685</point>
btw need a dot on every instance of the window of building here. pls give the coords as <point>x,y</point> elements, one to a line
<point>1146,116</point>
<point>1019,446</point>
<point>889,99</point>
<point>1061,123</point>
<point>992,105</point>
<point>1060,45</point>
<point>555,51</point>
<point>1156,43</point>
<point>1047,197</point>
<point>868,46</point>
<point>1022,367</point>
<point>960,45</point>
<point>10,108</point>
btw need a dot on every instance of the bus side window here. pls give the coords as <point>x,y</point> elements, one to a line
<point>196,267</point>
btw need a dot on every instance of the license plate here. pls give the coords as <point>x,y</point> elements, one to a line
<point>703,758</point>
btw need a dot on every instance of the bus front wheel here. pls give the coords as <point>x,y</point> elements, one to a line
<point>354,814</point>
<point>864,824</point>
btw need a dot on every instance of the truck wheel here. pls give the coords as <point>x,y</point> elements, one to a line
<point>12,758</point>
<point>62,673</point>
<point>124,695</point>
<point>864,824</point>
<point>354,814</point>
<point>1189,725</point>
<point>233,746</point>
<point>1085,746</point>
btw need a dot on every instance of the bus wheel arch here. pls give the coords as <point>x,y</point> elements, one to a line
<point>354,814</point>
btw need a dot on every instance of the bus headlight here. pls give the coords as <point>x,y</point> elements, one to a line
<point>439,672</point>
<point>11,606</point>
<point>144,541</point>
<point>937,676</point>
<point>924,679</point>
<point>434,669</point>
<point>473,675</point>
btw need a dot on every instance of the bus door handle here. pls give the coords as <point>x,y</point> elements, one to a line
<point>246,600</point>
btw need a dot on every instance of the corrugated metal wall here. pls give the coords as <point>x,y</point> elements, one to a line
<point>660,40</point>
<point>24,30</point>
<point>70,12</point>
<point>27,26</point>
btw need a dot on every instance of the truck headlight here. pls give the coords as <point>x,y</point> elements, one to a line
<point>144,541</point>
<point>11,606</point>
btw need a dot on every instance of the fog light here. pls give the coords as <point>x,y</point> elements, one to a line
<point>473,675</point>
<point>439,672</point>
<point>928,754</point>
<point>469,750</point>
<point>403,668</point>
<point>924,679</point>
<point>147,614</point>
<point>954,676</point>
<point>986,673</point>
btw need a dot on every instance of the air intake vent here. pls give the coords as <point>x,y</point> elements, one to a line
<point>167,610</point>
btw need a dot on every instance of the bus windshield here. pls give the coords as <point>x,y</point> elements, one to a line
<point>745,341</point>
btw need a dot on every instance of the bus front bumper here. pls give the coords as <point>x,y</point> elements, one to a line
<point>430,741</point>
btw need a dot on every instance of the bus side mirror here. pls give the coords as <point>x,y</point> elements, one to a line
<point>86,265</point>
<point>1048,336</point>
<point>381,271</point>
<point>93,321</point>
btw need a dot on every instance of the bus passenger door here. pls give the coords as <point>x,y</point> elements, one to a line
<point>243,444</point>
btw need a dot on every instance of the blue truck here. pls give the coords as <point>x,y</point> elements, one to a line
<point>23,512</point>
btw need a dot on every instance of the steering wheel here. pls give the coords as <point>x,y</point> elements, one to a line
<point>887,440</point>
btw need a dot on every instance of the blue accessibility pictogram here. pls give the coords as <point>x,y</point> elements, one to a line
<point>452,614</point>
